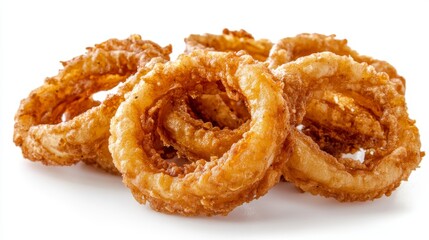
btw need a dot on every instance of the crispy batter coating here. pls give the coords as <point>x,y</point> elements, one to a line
<point>340,123</point>
<point>39,127</point>
<point>291,48</point>
<point>230,41</point>
<point>207,186</point>
<point>175,123</point>
<point>220,110</point>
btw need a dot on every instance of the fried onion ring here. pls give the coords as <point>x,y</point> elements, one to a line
<point>207,186</point>
<point>388,161</point>
<point>83,135</point>
<point>335,137</point>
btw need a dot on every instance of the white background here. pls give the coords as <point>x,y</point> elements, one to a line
<point>79,202</point>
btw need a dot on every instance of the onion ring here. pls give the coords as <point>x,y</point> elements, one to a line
<point>335,137</point>
<point>244,172</point>
<point>39,127</point>
<point>389,161</point>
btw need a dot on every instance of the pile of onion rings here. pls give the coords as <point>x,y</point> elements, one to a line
<point>227,120</point>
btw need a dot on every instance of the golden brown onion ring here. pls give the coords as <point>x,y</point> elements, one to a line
<point>39,127</point>
<point>230,41</point>
<point>388,161</point>
<point>244,172</point>
<point>336,136</point>
<point>291,48</point>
